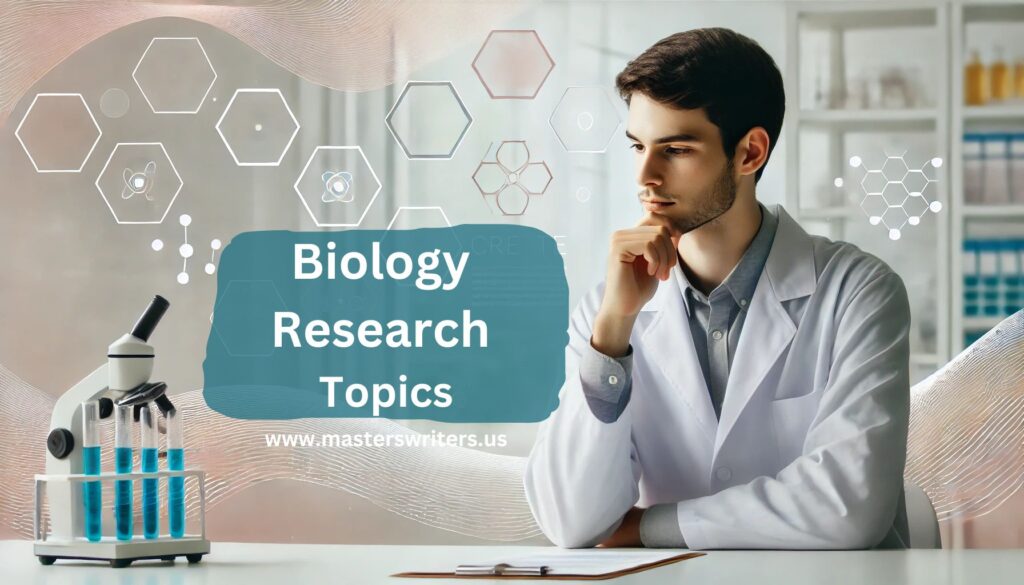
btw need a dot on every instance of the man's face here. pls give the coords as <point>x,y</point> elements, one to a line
<point>682,170</point>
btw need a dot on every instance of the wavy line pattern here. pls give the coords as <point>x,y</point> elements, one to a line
<point>966,443</point>
<point>966,450</point>
<point>348,45</point>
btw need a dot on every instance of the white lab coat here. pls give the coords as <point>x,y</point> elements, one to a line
<point>811,446</point>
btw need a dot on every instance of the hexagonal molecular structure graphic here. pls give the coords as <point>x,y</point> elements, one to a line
<point>512,178</point>
<point>585,119</point>
<point>513,64</point>
<point>429,120</point>
<point>895,194</point>
<point>139,182</point>
<point>337,186</point>
<point>58,132</point>
<point>174,75</point>
<point>245,337</point>
<point>257,127</point>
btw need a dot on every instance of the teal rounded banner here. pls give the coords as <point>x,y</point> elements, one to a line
<point>459,324</point>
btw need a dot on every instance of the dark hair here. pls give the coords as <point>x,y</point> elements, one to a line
<point>729,75</point>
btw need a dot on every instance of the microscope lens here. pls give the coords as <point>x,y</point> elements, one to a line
<point>91,490</point>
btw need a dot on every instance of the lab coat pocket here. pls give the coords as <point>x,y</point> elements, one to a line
<point>791,419</point>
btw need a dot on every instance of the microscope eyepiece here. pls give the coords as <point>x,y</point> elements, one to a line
<point>150,318</point>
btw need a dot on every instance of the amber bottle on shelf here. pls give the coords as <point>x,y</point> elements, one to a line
<point>976,84</point>
<point>1002,82</point>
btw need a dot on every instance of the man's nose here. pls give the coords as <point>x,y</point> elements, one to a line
<point>648,173</point>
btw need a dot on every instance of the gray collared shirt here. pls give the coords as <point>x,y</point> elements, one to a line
<point>715,322</point>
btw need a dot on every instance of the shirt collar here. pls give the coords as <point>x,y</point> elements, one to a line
<point>742,280</point>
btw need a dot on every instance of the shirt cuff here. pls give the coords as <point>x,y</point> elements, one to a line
<point>607,382</point>
<point>659,527</point>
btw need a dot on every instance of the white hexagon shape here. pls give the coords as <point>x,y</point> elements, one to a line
<point>585,119</point>
<point>138,188</point>
<point>409,217</point>
<point>873,182</point>
<point>174,75</point>
<point>429,120</point>
<point>513,64</point>
<point>894,168</point>
<point>347,205</point>
<point>65,117</point>
<point>257,127</point>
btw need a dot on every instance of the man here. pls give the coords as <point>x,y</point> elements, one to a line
<point>734,382</point>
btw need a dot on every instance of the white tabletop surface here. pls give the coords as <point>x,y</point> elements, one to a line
<point>296,564</point>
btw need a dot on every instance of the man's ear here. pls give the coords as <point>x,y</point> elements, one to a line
<point>752,151</point>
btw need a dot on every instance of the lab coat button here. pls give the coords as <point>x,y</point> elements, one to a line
<point>613,380</point>
<point>723,473</point>
<point>716,334</point>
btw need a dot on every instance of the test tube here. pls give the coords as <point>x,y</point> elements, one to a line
<point>175,485</point>
<point>92,493</point>
<point>150,442</point>
<point>123,464</point>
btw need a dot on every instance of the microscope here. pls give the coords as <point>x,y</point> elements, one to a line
<point>122,380</point>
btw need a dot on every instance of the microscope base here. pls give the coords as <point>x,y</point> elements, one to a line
<point>121,553</point>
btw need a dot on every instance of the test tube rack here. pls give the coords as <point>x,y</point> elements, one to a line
<point>120,553</point>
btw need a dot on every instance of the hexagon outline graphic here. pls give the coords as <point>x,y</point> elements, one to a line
<point>287,109</point>
<point>306,168</point>
<point>17,133</point>
<point>438,208</point>
<point>458,100</point>
<point>551,64</point>
<point>104,170</point>
<point>402,208</point>
<point>143,92</point>
<point>611,135</point>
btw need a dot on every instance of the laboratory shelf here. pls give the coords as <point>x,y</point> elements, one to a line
<point>981,323</point>
<point>997,117</point>
<point>994,211</point>
<point>823,135</point>
<point>868,116</point>
<point>995,112</point>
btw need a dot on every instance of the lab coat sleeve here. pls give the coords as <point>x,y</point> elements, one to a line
<point>842,492</point>
<point>582,474</point>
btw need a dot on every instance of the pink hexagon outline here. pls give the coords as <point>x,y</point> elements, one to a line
<point>513,97</point>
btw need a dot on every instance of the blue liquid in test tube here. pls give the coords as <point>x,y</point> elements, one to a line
<point>150,497</point>
<point>92,492</point>
<point>175,485</point>
<point>123,517</point>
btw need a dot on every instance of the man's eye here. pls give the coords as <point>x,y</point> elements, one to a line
<point>673,150</point>
<point>637,147</point>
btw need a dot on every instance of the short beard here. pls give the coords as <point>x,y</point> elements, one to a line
<point>712,204</point>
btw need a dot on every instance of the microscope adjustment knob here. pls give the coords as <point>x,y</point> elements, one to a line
<point>60,443</point>
<point>106,407</point>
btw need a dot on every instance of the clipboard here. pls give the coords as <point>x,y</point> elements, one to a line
<point>520,572</point>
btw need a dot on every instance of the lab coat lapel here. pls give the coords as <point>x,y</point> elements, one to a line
<point>768,329</point>
<point>669,345</point>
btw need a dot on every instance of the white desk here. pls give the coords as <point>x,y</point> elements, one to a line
<point>296,564</point>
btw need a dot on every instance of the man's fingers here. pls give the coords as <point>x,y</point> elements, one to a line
<point>653,255</point>
<point>670,251</point>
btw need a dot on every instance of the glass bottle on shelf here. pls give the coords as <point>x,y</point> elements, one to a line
<point>976,86</point>
<point>1018,78</point>
<point>1000,77</point>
